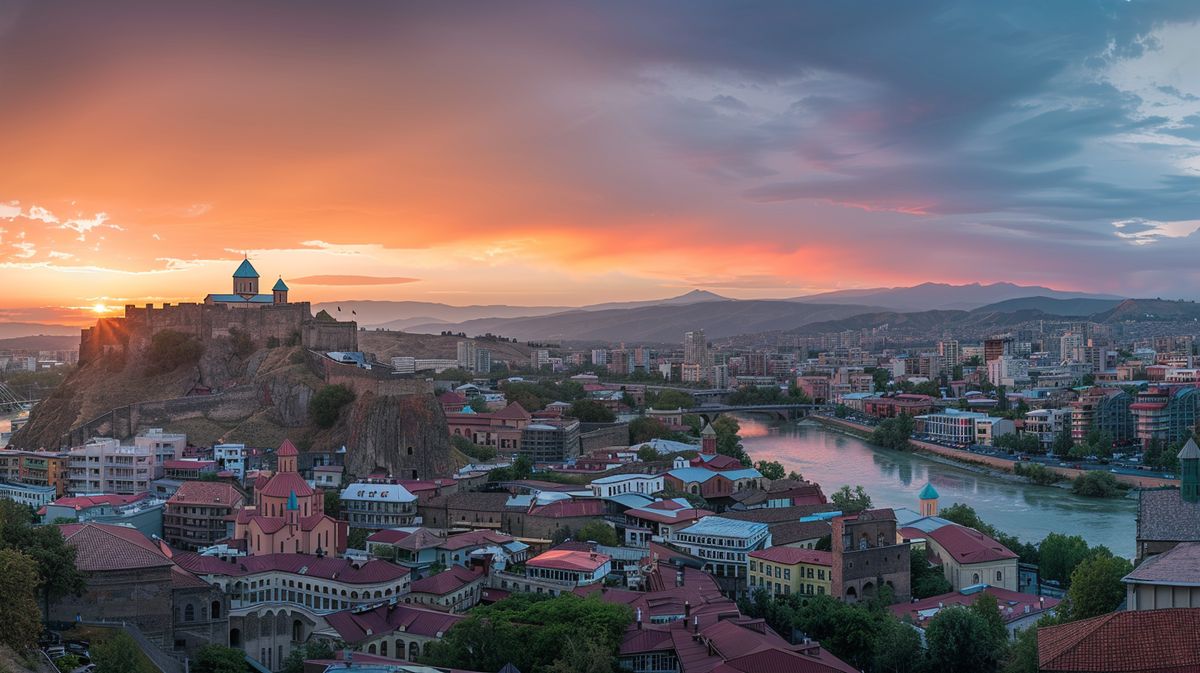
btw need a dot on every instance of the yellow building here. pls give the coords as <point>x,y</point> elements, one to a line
<point>789,570</point>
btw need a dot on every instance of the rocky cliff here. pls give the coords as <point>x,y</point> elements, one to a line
<point>258,398</point>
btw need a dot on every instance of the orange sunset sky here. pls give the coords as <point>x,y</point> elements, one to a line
<point>571,153</point>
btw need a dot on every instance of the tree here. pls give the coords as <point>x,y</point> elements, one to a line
<point>119,654</point>
<point>671,399</point>
<point>924,579</point>
<point>19,610</point>
<point>898,649</point>
<point>478,404</point>
<point>961,641</point>
<point>729,443</point>
<point>1096,587</point>
<point>851,502</point>
<point>333,503</point>
<point>893,433</point>
<point>1060,554</point>
<point>644,429</point>
<point>988,609</point>
<point>1096,484</point>
<point>317,649</point>
<point>221,659</point>
<point>880,378</point>
<point>590,411</point>
<point>647,454</point>
<point>1063,442</point>
<point>170,350</point>
<point>770,469</point>
<point>599,532</point>
<point>325,406</point>
<point>53,557</point>
<point>530,631</point>
<point>357,539</point>
<point>841,411</point>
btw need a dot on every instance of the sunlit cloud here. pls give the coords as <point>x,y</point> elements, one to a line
<point>1144,232</point>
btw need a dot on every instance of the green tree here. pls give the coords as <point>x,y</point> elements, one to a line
<point>1063,442</point>
<point>317,649</point>
<point>898,649</point>
<point>119,654</point>
<point>1060,554</point>
<point>647,454</point>
<point>325,406</point>
<point>924,579</point>
<point>1096,587</point>
<point>1097,484</point>
<point>333,503</point>
<point>770,469</point>
<point>644,429</point>
<point>471,449</point>
<point>530,632</point>
<point>841,411</point>
<point>881,377</point>
<point>478,404</point>
<point>599,532</point>
<point>170,350</point>
<point>220,659</point>
<point>19,610</point>
<point>671,399</point>
<point>988,609</point>
<point>958,640</point>
<point>590,411</point>
<point>893,433</point>
<point>851,501</point>
<point>357,539</point>
<point>729,442</point>
<point>53,557</point>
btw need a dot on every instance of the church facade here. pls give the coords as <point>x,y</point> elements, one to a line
<point>288,515</point>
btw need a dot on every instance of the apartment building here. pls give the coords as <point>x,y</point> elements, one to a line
<point>103,465</point>
<point>1103,409</point>
<point>550,441</point>
<point>789,570</point>
<point>378,506</point>
<point>200,513</point>
<point>724,545</point>
<point>1165,413</point>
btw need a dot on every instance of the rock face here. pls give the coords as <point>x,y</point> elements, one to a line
<point>405,436</point>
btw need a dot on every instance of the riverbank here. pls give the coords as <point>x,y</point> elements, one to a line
<point>993,463</point>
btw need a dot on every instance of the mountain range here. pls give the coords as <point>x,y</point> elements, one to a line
<point>932,296</point>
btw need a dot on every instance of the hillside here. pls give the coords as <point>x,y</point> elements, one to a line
<point>41,343</point>
<point>1154,310</point>
<point>10,330</point>
<point>1068,307</point>
<point>386,344</point>
<point>943,296</point>
<point>659,323</point>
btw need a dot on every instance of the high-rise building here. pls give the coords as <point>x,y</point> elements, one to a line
<point>950,353</point>
<point>599,357</point>
<point>695,352</point>
<point>996,347</point>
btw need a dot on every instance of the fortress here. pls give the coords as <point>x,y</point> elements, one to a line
<point>263,317</point>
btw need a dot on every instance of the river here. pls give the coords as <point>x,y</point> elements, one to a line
<point>893,478</point>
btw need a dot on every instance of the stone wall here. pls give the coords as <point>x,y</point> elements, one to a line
<point>405,436</point>
<point>141,596</point>
<point>602,435</point>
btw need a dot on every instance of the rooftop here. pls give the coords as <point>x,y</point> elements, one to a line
<point>1012,604</point>
<point>1164,515</point>
<point>793,556</point>
<point>206,493</point>
<point>324,567</point>
<point>448,581</point>
<point>720,526</point>
<point>1179,566</point>
<point>355,626</point>
<point>564,559</point>
<point>967,545</point>
<point>103,547</point>
<point>377,492</point>
<point>1132,641</point>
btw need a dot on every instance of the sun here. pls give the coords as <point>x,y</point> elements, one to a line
<point>99,308</point>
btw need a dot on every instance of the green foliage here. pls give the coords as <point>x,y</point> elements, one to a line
<point>925,579</point>
<point>1097,484</point>
<point>68,663</point>
<point>325,406</point>
<point>317,649</point>
<point>729,443</point>
<point>1060,554</point>
<point>273,342</point>
<point>221,659</point>
<point>333,503</point>
<point>1037,473</point>
<point>19,610</point>
<point>1019,443</point>
<point>751,395</point>
<point>959,640</point>
<point>1160,456</point>
<point>599,532</point>
<point>881,377</point>
<point>643,429</point>
<point>471,449</point>
<point>893,433</point>
<point>120,654</point>
<point>590,411</point>
<point>53,558</point>
<point>965,515</point>
<point>531,632</point>
<point>243,345</point>
<point>478,404</point>
<point>929,388</point>
<point>534,396</point>
<point>170,350</point>
<point>851,501</point>
<point>1063,442</point>
<point>647,454</point>
<point>357,539</point>
<point>771,469</point>
<point>666,400</point>
<point>841,411</point>
<point>1096,586</point>
<point>521,468</point>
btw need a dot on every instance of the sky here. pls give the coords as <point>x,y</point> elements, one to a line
<point>571,153</point>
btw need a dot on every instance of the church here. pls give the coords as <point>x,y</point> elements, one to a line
<point>245,289</point>
<point>288,515</point>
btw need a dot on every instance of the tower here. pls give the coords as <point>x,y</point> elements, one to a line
<point>1189,472</point>
<point>708,440</point>
<point>279,292</point>
<point>292,513</point>
<point>929,500</point>
<point>245,279</point>
<point>286,455</point>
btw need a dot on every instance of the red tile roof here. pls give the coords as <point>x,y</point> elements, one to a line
<point>324,567</point>
<point>287,449</point>
<point>446,582</point>
<point>475,538</point>
<point>189,464</point>
<point>388,536</point>
<point>577,561</point>
<point>793,555</point>
<point>100,547</point>
<point>355,627</point>
<point>281,484</point>
<point>206,493</point>
<point>1012,604</point>
<point>967,545</point>
<point>85,501</point>
<point>1163,641</point>
<point>513,411</point>
<point>569,508</point>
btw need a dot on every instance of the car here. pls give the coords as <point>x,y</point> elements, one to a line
<point>55,651</point>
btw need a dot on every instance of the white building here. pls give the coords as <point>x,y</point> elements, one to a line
<point>1047,424</point>
<point>963,427</point>
<point>404,364</point>
<point>1007,370</point>
<point>102,465</point>
<point>231,457</point>
<point>723,544</point>
<point>378,505</point>
<point>28,494</point>
<point>646,484</point>
<point>580,568</point>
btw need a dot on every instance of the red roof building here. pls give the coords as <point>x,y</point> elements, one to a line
<point>1137,641</point>
<point>563,565</point>
<point>288,515</point>
<point>969,557</point>
<point>1018,610</point>
<point>455,589</point>
<point>400,629</point>
<point>198,514</point>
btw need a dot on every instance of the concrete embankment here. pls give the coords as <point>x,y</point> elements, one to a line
<point>993,462</point>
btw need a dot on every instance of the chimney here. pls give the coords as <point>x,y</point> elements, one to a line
<point>696,624</point>
<point>687,609</point>
<point>679,577</point>
<point>639,619</point>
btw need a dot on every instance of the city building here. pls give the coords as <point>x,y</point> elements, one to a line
<point>724,545</point>
<point>1165,413</point>
<point>867,556</point>
<point>1167,580</point>
<point>616,484</point>
<point>1105,410</point>
<point>245,290</point>
<point>373,505</point>
<point>405,631</point>
<point>968,557</point>
<point>1167,517</point>
<point>1047,425</point>
<point>142,511</point>
<point>790,570</point>
<point>474,359</point>
<point>695,349</point>
<point>1018,611</point>
<point>500,430</point>
<point>36,468</point>
<point>655,521</point>
<point>105,466</point>
<point>1129,641</point>
<point>579,568</point>
<point>963,427</point>
<point>189,469</point>
<point>890,406</point>
<point>199,514</point>
<point>28,494</point>
<point>231,458</point>
<point>455,589</point>
<point>549,440</point>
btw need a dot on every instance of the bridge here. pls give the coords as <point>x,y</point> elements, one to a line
<point>783,410</point>
<point>11,400</point>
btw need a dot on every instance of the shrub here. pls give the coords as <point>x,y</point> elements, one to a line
<point>243,344</point>
<point>473,450</point>
<point>1037,473</point>
<point>325,406</point>
<point>170,350</point>
<point>1096,484</point>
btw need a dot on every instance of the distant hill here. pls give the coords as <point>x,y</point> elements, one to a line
<point>1067,307</point>
<point>41,343</point>
<point>661,323</point>
<point>1144,310</point>
<point>933,296</point>
<point>9,330</point>
<point>387,344</point>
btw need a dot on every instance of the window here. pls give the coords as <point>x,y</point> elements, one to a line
<point>189,613</point>
<point>999,576</point>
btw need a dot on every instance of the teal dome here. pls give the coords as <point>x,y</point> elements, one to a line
<point>280,286</point>
<point>245,270</point>
<point>928,493</point>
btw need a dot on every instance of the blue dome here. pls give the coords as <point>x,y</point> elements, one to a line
<point>280,286</point>
<point>245,270</point>
<point>928,493</point>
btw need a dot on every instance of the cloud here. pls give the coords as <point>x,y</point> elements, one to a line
<point>331,279</point>
<point>1140,231</point>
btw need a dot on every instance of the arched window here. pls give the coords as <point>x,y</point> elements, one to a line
<point>383,648</point>
<point>371,648</point>
<point>414,651</point>
<point>975,578</point>
<point>216,609</point>
<point>297,631</point>
<point>189,613</point>
<point>235,638</point>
